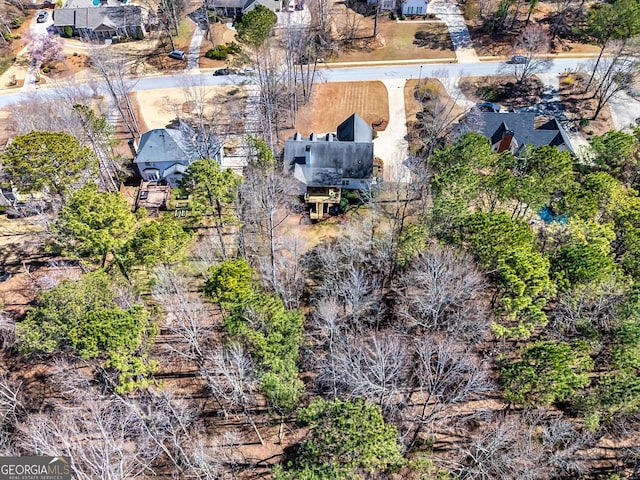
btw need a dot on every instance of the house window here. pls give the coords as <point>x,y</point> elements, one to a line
<point>388,5</point>
<point>410,10</point>
<point>418,10</point>
<point>345,182</point>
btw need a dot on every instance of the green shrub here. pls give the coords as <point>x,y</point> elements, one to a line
<point>392,15</point>
<point>67,31</point>
<point>488,93</point>
<point>16,22</point>
<point>46,69</point>
<point>470,9</point>
<point>584,122</point>
<point>221,52</point>
<point>403,17</point>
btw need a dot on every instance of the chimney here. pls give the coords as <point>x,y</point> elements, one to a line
<point>505,142</point>
<point>313,137</point>
<point>329,137</point>
<point>307,155</point>
<point>133,146</point>
<point>297,137</point>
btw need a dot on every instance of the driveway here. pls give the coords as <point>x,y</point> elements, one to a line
<point>297,18</point>
<point>624,111</point>
<point>391,144</point>
<point>449,12</point>
<point>35,30</point>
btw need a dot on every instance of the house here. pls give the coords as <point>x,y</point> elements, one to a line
<point>103,19</point>
<point>164,154</point>
<point>324,165</point>
<point>406,7</point>
<point>414,7</point>
<point>233,8</point>
<point>513,130</point>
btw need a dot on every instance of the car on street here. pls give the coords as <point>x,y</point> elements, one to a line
<point>177,54</point>
<point>42,17</point>
<point>222,71</point>
<point>519,59</point>
<point>291,7</point>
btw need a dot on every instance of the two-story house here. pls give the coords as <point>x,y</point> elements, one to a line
<point>513,130</point>
<point>326,164</point>
<point>164,154</point>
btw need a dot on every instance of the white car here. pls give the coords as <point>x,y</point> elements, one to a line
<point>291,7</point>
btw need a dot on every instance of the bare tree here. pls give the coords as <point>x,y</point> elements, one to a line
<point>12,408</point>
<point>104,439</point>
<point>442,291</point>
<point>444,374</point>
<point>597,304</point>
<point>230,376</point>
<point>529,48</point>
<point>186,315</point>
<point>614,74</point>
<point>114,68</point>
<point>530,446</point>
<point>374,367</point>
<point>266,198</point>
<point>289,275</point>
<point>7,330</point>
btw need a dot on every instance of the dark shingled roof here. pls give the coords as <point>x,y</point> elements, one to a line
<point>173,145</point>
<point>523,125</point>
<point>95,17</point>
<point>325,160</point>
<point>354,129</point>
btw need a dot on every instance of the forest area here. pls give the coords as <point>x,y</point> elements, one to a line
<point>480,321</point>
<point>444,331</point>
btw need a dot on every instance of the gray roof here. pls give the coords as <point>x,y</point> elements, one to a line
<point>108,18</point>
<point>175,145</point>
<point>64,17</point>
<point>354,129</point>
<point>326,160</point>
<point>526,127</point>
<point>229,3</point>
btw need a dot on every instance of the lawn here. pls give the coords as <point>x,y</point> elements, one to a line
<point>324,112</point>
<point>402,41</point>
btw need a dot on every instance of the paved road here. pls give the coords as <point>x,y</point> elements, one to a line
<point>351,74</point>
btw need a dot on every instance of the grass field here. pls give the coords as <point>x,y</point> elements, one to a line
<point>331,103</point>
<point>398,41</point>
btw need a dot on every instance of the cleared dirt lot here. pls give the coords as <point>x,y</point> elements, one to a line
<point>160,108</point>
<point>331,103</point>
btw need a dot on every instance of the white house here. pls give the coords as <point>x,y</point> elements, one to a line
<point>407,7</point>
<point>164,154</point>
<point>414,7</point>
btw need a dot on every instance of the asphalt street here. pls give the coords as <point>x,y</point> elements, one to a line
<point>342,74</point>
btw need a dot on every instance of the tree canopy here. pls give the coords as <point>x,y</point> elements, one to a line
<point>256,26</point>
<point>82,315</point>
<point>547,372</point>
<point>55,161</point>
<point>94,224</point>
<point>347,440</point>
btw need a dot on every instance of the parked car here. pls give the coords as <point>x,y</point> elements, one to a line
<point>177,54</point>
<point>222,71</point>
<point>519,59</point>
<point>42,17</point>
<point>291,7</point>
